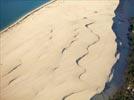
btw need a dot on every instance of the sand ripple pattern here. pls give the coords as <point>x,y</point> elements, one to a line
<point>64,51</point>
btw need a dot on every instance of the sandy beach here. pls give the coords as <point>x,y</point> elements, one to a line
<point>64,51</point>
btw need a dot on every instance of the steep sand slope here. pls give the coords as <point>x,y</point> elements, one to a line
<point>64,51</point>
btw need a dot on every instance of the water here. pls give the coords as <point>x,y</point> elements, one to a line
<point>12,10</point>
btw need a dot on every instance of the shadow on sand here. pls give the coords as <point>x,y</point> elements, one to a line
<point>123,12</point>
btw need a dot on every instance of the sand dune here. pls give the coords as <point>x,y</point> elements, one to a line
<point>64,51</point>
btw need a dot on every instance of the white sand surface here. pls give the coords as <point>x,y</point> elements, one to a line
<point>64,51</point>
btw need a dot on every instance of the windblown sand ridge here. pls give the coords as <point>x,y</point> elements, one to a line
<point>64,51</point>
